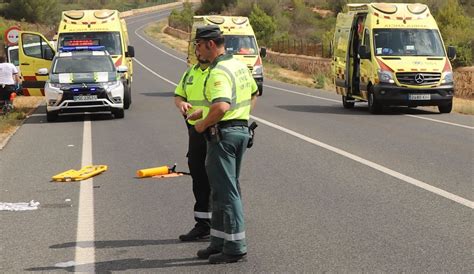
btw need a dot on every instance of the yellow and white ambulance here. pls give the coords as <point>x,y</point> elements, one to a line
<point>391,54</point>
<point>78,27</point>
<point>240,41</point>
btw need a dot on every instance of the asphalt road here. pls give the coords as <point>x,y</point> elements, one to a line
<point>324,188</point>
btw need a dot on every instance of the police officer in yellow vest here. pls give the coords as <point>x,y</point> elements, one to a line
<point>189,99</point>
<point>231,91</point>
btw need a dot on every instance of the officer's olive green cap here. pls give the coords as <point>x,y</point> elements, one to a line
<point>209,32</point>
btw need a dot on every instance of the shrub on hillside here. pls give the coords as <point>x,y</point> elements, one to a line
<point>182,19</point>
<point>263,25</point>
<point>457,30</point>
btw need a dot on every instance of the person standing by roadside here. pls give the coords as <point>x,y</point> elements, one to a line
<point>189,98</point>
<point>231,92</point>
<point>8,79</point>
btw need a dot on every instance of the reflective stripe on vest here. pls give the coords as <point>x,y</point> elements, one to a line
<point>199,103</point>
<point>233,103</point>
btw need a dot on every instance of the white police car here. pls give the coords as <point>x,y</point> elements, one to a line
<point>83,79</point>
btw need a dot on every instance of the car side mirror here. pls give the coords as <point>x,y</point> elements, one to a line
<point>451,52</point>
<point>130,52</point>
<point>263,52</point>
<point>122,69</point>
<point>364,53</point>
<point>42,71</point>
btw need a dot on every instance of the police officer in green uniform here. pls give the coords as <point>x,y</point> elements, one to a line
<point>190,101</point>
<point>231,92</point>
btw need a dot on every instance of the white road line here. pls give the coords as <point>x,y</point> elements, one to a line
<point>85,247</point>
<point>156,47</point>
<point>439,121</point>
<point>373,165</point>
<point>154,73</point>
<point>351,156</point>
<point>303,94</point>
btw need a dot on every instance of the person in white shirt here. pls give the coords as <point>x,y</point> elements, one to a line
<point>9,78</point>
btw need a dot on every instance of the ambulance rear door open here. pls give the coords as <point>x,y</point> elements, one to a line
<point>34,52</point>
<point>341,58</point>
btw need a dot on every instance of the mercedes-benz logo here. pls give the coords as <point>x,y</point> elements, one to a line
<point>419,78</point>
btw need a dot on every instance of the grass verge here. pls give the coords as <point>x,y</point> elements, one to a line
<point>23,106</point>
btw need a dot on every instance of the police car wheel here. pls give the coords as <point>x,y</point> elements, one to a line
<point>347,104</point>
<point>51,116</point>
<point>118,113</point>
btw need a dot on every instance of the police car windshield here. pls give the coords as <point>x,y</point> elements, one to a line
<point>408,42</point>
<point>83,64</point>
<point>240,45</point>
<point>110,40</point>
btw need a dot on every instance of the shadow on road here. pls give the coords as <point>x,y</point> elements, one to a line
<point>117,244</point>
<point>39,117</point>
<point>358,110</point>
<point>159,94</point>
<point>127,264</point>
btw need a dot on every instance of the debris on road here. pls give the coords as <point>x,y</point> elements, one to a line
<point>32,205</point>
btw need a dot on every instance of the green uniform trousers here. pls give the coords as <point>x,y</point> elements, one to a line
<point>223,168</point>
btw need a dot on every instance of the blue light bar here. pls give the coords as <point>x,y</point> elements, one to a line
<point>81,48</point>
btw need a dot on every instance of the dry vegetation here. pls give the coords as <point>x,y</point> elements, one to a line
<point>23,106</point>
<point>156,32</point>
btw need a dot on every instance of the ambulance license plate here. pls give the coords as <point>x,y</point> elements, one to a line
<point>85,97</point>
<point>419,96</point>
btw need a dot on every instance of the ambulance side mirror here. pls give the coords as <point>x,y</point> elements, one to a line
<point>122,69</point>
<point>42,71</point>
<point>451,52</point>
<point>263,52</point>
<point>364,52</point>
<point>130,52</point>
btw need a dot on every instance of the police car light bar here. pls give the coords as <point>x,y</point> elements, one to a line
<point>81,48</point>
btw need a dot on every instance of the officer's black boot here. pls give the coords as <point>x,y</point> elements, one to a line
<point>195,234</point>
<point>205,253</point>
<point>222,258</point>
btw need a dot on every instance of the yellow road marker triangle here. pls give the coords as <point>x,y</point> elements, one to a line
<point>78,175</point>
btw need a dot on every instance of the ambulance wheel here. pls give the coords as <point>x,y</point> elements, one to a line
<point>118,113</point>
<point>374,105</point>
<point>446,108</point>
<point>127,96</point>
<point>347,104</point>
<point>51,116</point>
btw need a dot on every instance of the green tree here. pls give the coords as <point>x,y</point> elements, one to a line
<point>215,6</point>
<point>457,30</point>
<point>35,11</point>
<point>263,25</point>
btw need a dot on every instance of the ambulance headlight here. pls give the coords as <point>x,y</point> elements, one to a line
<point>448,78</point>
<point>385,76</point>
<point>257,70</point>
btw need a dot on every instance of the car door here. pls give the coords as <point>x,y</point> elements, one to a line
<point>34,52</point>
<point>341,61</point>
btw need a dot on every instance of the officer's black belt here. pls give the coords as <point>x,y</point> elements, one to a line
<point>233,123</point>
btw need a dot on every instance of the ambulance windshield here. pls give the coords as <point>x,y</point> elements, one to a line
<point>240,45</point>
<point>407,42</point>
<point>110,40</point>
